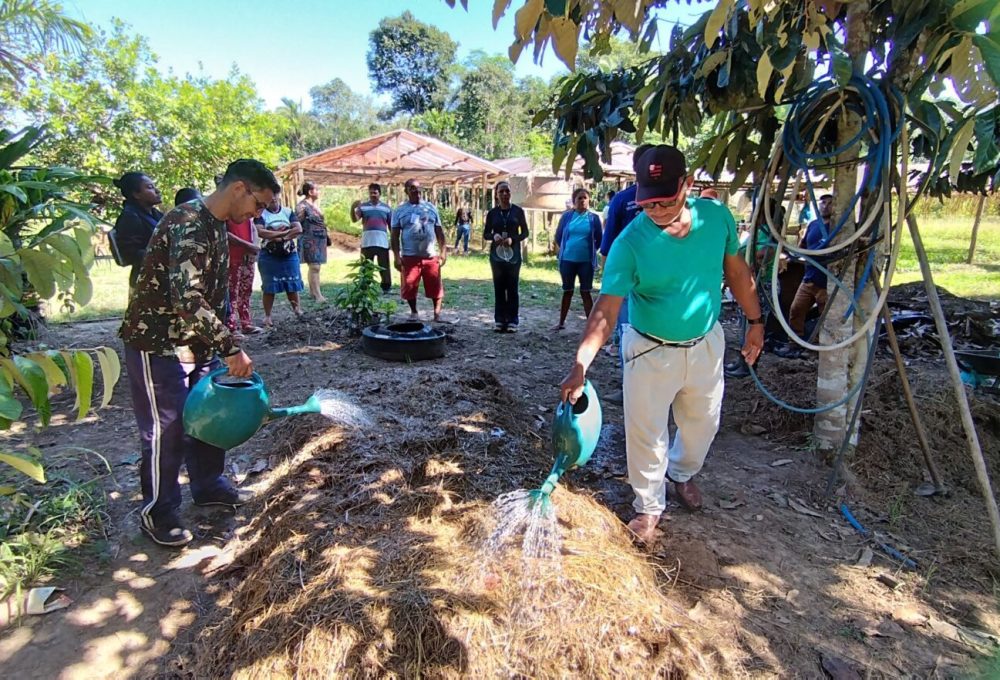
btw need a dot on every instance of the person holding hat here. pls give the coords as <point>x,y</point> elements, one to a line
<point>669,261</point>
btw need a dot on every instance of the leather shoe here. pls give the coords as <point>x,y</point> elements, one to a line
<point>644,528</point>
<point>688,494</point>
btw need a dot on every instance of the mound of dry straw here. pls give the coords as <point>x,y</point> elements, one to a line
<point>366,562</point>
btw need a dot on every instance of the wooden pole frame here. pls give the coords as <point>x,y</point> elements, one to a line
<point>941,324</point>
<point>911,404</point>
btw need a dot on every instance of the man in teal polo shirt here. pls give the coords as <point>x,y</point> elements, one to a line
<point>670,261</point>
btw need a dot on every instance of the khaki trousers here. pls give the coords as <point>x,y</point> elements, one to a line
<point>805,296</point>
<point>656,380</point>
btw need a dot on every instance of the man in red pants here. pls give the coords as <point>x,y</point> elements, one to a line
<point>418,249</point>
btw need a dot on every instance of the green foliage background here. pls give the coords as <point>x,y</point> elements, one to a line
<point>109,111</point>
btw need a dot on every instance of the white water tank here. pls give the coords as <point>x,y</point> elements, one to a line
<point>540,192</point>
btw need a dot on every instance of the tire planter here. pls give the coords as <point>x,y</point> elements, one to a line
<point>412,341</point>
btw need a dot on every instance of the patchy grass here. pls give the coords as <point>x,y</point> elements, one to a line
<point>467,279</point>
<point>41,525</point>
<point>469,283</point>
<point>947,245</point>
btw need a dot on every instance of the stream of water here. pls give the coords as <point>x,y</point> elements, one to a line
<point>530,517</point>
<point>338,408</point>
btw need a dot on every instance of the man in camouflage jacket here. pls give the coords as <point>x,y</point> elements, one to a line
<point>173,331</point>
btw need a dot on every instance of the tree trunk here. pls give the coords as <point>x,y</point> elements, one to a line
<point>835,373</point>
<point>975,228</point>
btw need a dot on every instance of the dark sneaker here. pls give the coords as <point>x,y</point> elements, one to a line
<point>231,497</point>
<point>499,327</point>
<point>736,369</point>
<point>787,352</point>
<point>166,531</point>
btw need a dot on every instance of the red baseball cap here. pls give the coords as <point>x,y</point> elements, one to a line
<point>659,173</point>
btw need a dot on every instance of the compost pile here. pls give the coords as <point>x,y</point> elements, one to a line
<point>364,560</point>
<point>888,463</point>
<point>972,324</point>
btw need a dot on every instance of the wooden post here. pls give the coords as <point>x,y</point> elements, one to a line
<point>533,228</point>
<point>911,403</point>
<point>941,324</point>
<point>484,206</point>
<point>975,228</point>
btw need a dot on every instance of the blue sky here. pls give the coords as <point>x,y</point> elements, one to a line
<point>287,48</point>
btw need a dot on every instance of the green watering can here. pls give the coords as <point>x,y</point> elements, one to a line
<point>575,431</point>
<point>226,414</point>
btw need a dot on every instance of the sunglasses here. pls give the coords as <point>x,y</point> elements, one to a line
<point>661,204</point>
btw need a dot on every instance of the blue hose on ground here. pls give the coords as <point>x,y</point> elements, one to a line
<point>884,547</point>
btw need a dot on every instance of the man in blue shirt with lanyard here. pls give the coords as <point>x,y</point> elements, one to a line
<point>668,262</point>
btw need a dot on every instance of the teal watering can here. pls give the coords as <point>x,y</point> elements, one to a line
<point>226,414</point>
<point>575,431</point>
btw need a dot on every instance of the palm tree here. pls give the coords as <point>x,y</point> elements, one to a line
<point>301,126</point>
<point>28,26</point>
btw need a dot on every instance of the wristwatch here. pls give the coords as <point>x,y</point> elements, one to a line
<point>759,321</point>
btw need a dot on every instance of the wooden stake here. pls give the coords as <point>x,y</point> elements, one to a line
<point>956,381</point>
<point>975,228</point>
<point>911,404</point>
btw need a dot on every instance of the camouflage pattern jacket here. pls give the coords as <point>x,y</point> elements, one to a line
<point>179,300</point>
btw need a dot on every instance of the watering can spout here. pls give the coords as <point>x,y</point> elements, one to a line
<point>311,406</point>
<point>560,466</point>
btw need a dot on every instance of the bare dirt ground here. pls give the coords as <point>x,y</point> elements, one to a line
<point>769,568</point>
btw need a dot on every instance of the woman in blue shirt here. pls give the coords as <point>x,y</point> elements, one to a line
<point>578,238</point>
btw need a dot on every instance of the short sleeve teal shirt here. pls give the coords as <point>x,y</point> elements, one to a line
<point>675,283</point>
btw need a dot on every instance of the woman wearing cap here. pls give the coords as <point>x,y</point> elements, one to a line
<point>505,228</point>
<point>674,348</point>
<point>578,239</point>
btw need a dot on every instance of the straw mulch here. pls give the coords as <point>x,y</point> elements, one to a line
<point>364,561</point>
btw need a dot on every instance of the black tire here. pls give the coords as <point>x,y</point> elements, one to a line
<point>403,342</point>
